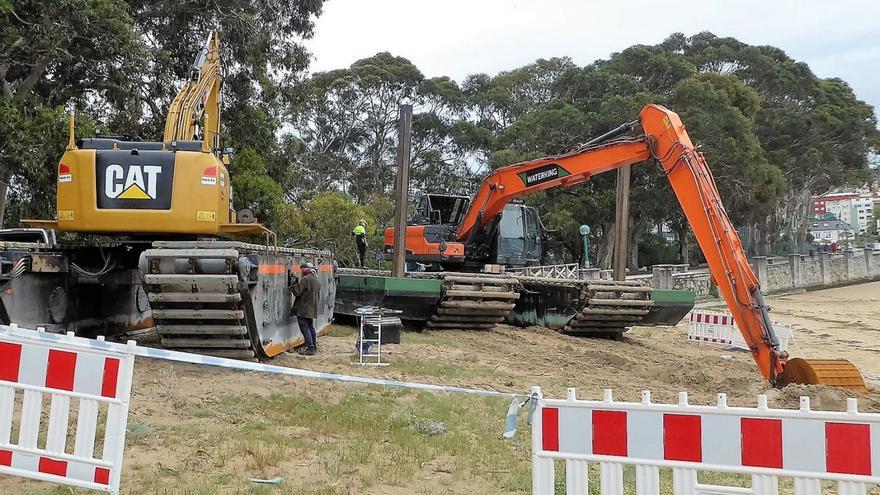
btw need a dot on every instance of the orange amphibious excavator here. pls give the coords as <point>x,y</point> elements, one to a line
<point>666,141</point>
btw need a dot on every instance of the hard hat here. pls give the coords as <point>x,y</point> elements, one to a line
<point>307,264</point>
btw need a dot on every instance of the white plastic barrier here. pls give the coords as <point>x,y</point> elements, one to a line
<point>75,376</point>
<point>714,327</point>
<point>808,446</point>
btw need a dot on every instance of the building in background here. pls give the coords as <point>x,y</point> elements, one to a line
<point>854,208</point>
<point>830,230</point>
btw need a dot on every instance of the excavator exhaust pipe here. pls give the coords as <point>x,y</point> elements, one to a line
<point>832,372</point>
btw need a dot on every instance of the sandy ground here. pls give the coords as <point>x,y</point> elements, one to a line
<point>836,323</point>
<point>841,322</point>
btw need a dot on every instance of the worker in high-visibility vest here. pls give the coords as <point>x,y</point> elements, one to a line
<point>360,238</point>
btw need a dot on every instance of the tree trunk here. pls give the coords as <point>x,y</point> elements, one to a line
<point>637,229</point>
<point>683,246</point>
<point>4,189</point>
<point>763,244</point>
<point>606,247</point>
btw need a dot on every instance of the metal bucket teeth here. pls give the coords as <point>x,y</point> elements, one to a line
<point>477,301</point>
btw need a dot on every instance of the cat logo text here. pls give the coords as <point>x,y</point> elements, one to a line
<point>138,182</point>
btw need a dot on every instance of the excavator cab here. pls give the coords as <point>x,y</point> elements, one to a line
<point>513,239</point>
<point>440,209</point>
<point>430,231</point>
<point>519,237</point>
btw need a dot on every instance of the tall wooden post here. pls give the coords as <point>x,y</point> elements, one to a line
<point>401,190</point>
<point>621,222</point>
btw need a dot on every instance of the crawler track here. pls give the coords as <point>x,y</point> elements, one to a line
<point>228,299</point>
<point>474,301</point>
<point>609,307</point>
<point>592,308</point>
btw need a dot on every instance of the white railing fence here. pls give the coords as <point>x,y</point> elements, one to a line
<point>808,447</point>
<point>569,271</point>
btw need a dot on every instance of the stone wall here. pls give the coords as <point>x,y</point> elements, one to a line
<point>778,274</point>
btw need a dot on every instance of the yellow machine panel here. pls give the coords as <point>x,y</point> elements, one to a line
<point>105,189</point>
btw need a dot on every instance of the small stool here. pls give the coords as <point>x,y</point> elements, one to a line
<point>375,317</point>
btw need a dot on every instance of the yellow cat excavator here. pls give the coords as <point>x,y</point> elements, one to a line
<point>154,243</point>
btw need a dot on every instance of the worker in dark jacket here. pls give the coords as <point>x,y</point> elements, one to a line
<point>306,291</point>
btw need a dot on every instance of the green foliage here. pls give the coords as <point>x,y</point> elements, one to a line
<point>253,187</point>
<point>316,154</point>
<point>52,53</point>
<point>654,249</point>
<point>505,157</point>
<point>326,221</point>
<point>347,123</point>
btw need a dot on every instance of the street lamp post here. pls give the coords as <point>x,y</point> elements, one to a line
<point>585,233</point>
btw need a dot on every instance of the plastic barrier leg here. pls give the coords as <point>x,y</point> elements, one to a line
<point>807,486</point>
<point>611,482</point>
<point>684,481</point>
<point>576,477</point>
<point>647,480</point>
<point>543,477</point>
<point>764,484</point>
<point>851,488</point>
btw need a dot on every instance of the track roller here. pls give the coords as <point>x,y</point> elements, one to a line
<point>474,301</point>
<point>609,308</point>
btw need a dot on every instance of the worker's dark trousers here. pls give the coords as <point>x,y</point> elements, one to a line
<point>307,327</point>
<point>362,251</point>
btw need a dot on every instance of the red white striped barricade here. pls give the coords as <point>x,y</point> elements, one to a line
<point>808,446</point>
<point>717,328</point>
<point>78,375</point>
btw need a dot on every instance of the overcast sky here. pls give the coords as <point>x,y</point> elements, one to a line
<point>837,38</point>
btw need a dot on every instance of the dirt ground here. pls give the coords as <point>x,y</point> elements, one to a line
<point>186,418</point>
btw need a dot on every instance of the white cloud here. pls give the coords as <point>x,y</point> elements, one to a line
<point>461,37</point>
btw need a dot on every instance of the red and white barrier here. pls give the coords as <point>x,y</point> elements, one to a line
<point>80,376</point>
<point>717,328</point>
<point>809,446</point>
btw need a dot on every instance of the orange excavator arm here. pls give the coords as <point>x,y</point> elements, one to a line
<point>666,141</point>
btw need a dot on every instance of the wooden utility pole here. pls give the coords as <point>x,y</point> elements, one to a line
<point>621,223</point>
<point>401,190</point>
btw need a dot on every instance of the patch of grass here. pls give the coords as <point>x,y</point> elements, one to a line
<point>343,331</point>
<point>203,412</point>
<point>428,337</point>
<point>139,432</point>
<point>446,371</point>
<point>370,434</point>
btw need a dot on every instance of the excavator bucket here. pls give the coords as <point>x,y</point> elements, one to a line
<point>832,372</point>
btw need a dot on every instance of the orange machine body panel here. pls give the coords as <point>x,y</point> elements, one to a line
<point>420,249</point>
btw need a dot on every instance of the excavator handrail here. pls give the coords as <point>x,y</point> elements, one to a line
<point>666,141</point>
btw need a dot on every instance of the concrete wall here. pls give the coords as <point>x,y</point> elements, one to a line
<point>778,274</point>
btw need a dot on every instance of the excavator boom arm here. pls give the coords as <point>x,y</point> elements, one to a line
<point>198,101</point>
<point>665,140</point>
<point>698,196</point>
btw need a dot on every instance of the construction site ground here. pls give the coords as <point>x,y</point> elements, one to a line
<point>200,430</point>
